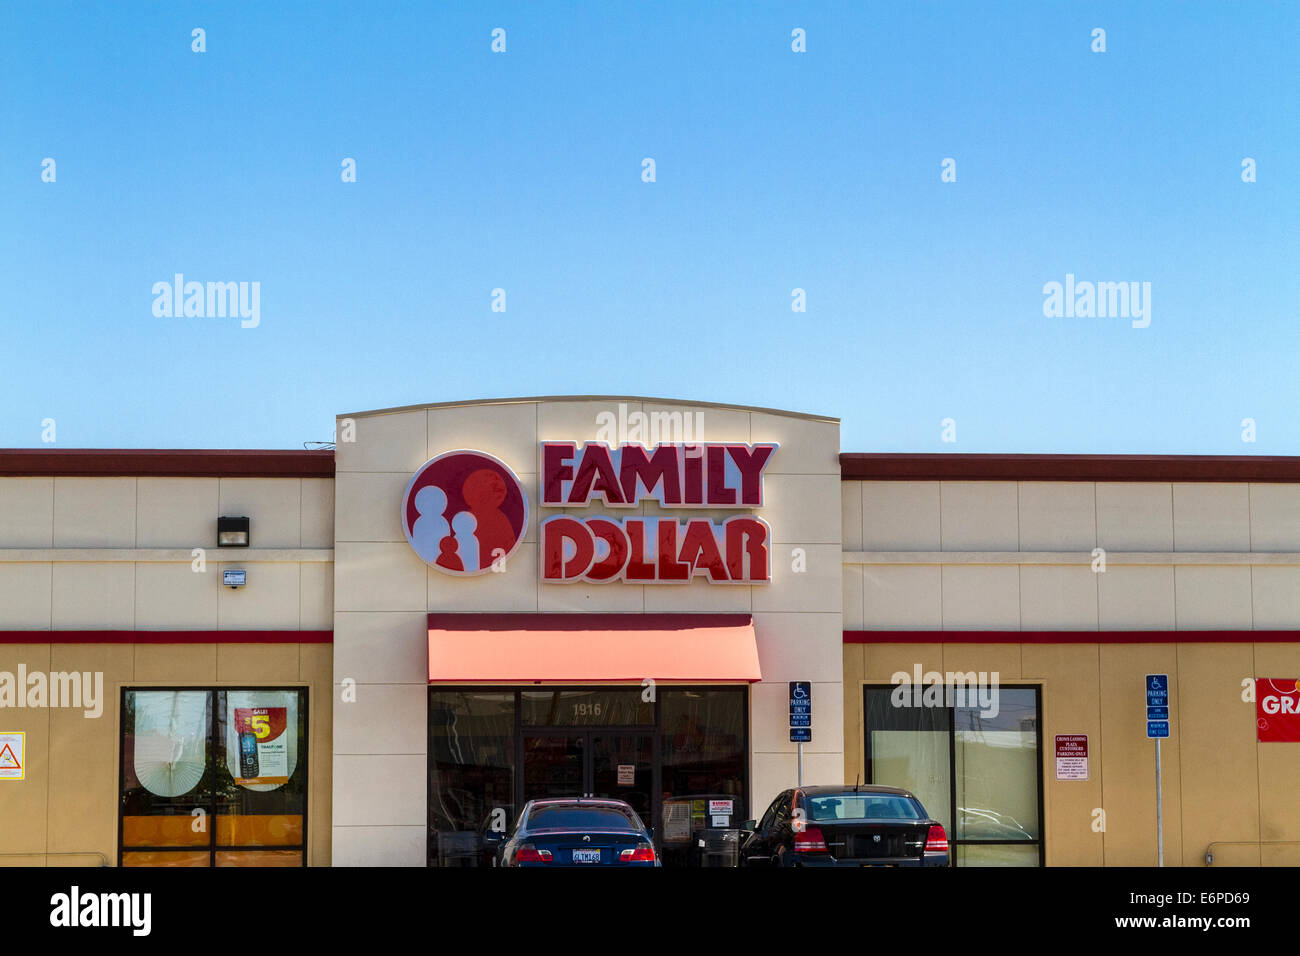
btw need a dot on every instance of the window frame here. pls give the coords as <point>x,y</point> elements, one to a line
<point>953,842</point>
<point>304,763</point>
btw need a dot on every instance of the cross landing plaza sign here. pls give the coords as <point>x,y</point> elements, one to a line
<point>465,512</point>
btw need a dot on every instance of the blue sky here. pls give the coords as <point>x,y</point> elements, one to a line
<point>775,170</point>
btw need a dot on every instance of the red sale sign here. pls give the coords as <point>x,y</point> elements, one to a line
<point>1277,709</point>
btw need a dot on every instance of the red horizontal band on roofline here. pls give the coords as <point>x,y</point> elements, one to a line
<point>166,637</point>
<point>939,467</point>
<point>582,622</point>
<point>164,463</point>
<point>854,466</point>
<point>1072,637</point>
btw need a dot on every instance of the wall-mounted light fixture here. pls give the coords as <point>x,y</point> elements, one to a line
<point>232,532</point>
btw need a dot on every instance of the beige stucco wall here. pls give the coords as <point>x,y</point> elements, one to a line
<point>117,554</point>
<point>1220,784</point>
<point>383,592</point>
<point>1018,556</point>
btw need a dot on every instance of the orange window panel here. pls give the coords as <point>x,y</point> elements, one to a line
<point>176,830</point>
<point>165,858</point>
<point>259,858</point>
<point>259,830</point>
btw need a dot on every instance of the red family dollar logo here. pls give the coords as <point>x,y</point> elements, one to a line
<point>463,511</point>
<point>1277,709</point>
<point>645,549</point>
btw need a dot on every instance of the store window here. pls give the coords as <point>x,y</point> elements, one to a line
<point>213,777</point>
<point>704,754</point>
<point>678,757</point>
<point>471,773</point>
<point>977,770</point>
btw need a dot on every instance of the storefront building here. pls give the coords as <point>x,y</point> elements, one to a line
<point>468,605</point>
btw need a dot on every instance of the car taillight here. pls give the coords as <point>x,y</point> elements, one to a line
<point>527,853</point>
<point>936,841</point>
<point>641,853</point>
<point>809,840</point>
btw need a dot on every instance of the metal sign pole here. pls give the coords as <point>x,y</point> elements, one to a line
<point>1160,823</point>
<point>1159,722</point>
<point>800,765</point>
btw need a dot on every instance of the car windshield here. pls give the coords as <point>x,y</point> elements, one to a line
<point>862,806</point>
<point>581,818</point>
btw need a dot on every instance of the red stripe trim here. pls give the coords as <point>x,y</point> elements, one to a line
<point>937,467</point>
<point>165,463</point>
<point>166,637</point>
<point>1072,637</point>
<point>583,622</point>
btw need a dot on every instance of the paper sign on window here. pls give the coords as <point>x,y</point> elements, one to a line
<point>263,745</point>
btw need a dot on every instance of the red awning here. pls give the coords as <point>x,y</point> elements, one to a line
<point>568,648</point>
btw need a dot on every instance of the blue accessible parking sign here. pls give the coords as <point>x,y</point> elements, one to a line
<point>800,711</point>
<point>1158,721</point>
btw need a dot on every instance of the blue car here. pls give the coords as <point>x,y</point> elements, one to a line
<point>576,832</point>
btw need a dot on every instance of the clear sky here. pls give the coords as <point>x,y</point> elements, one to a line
<point>775,170</point>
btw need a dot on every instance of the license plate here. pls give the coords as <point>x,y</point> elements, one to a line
<point>586,856</point>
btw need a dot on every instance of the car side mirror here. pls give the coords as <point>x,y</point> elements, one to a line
<point>493,838</point>
<point>650,832</point>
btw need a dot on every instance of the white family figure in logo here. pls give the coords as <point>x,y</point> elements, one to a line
<point>453,545</point>
<point>464,524</point>
<point>431,527</point>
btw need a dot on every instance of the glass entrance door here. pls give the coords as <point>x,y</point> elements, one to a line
<point>622,767</point>
<point>595,763</point>
<point>555,765</point>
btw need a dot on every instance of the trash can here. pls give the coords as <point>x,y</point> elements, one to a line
<point>688,840</point>
<point>717,847</point>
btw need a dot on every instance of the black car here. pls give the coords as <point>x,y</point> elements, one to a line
<point>844,826</point>
<point>576,832</point>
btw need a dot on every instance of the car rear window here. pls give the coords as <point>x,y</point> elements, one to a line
<point>581,818</point>
<point>862,806</point>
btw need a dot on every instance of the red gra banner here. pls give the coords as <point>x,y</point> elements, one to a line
<point>1277,709</point>
<point>654,550</point>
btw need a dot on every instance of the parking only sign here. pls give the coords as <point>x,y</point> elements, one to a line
<point>1071,756</point>
<point>1158,722</point>
<point>801,711</point>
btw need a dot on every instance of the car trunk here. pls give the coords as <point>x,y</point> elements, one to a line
<point>563,845</point>
<point>866,840</point>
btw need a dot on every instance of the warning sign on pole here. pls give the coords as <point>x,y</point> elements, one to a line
<point>12,757</point>
<point>1071,756</point>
